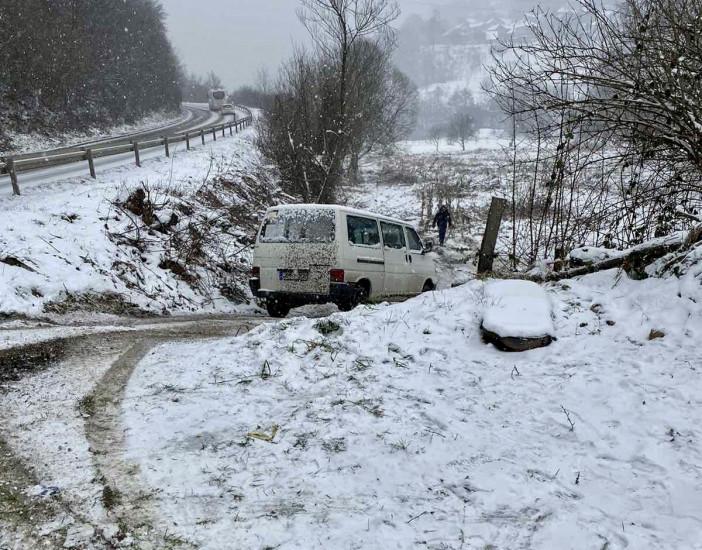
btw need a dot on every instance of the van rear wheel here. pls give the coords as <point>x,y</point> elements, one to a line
<point>346,305</point>
<point>364,290</point>
<point>428,287</point>
<point>277,308</point>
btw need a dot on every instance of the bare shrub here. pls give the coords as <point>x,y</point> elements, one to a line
<point>203,236</point>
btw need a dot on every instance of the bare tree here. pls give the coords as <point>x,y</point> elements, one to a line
<point>436,132</point>
<point>461,129</point>
<point>341,100</point>
<point>336,27</point>
<point>383,100</point>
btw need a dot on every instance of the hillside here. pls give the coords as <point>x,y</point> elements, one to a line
<point>173,236</point>
<point>96,64</point>
<point>446,55</point>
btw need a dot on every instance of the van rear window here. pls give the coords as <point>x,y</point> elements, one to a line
<point>303,225</point>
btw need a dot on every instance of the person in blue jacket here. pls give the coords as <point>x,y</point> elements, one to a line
<point>442,220</point>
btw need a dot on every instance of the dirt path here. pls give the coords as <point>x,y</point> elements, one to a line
<point>112,507</point>
<point>17,510</point>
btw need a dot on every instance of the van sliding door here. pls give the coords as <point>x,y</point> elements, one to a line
<point>364,255</point>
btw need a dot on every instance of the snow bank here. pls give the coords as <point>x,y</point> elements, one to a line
<point>75,245</point>
<point>396,427</point>
<point>518,309</point>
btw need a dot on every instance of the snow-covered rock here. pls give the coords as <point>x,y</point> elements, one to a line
<point>517,315</point>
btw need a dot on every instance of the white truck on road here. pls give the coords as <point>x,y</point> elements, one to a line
<point>216,99</point>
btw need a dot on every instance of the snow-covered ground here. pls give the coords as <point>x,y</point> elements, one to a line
<point>393,426</point>
<point>23,334</point>
<point>70,237</point>
<point>56,420</point>
<point>397,427</point>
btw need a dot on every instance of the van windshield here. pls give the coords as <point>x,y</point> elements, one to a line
<point>218,95</point>
<point>299,225</point>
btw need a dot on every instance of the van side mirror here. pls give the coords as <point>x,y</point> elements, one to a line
<point>428,246</point>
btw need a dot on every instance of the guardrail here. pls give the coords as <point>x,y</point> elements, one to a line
<point>11,166</point>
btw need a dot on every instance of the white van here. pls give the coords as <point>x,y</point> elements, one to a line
<point>311,254</point>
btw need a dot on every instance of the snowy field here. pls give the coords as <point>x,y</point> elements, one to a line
<point>396,427</point>
<point>468,179</point>
<point>59,229</point>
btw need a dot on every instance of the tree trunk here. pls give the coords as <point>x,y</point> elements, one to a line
<point>634,263</point>
<point>353,167</point>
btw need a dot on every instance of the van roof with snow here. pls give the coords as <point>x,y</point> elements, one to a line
<point>347,209</point>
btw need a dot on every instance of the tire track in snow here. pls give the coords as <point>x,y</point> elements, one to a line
<point>124,496</point>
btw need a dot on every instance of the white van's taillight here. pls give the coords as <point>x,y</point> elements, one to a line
<point>336,275</point>
<point>255,272</point>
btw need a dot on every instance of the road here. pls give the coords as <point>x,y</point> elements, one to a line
<point>195,116</point>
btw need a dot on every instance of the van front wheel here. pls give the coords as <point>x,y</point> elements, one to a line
<point>277,308</point>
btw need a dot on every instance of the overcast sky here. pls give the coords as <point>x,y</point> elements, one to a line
<point>235,38</point>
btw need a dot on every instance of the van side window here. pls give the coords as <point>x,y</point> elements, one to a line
<point>393,235</point>
<point>415,243</point>
<point>363,231</point>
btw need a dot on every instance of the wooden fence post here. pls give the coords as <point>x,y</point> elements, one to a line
<point>13,175</point>
<point>91,162</point>
<point>165,144</point>
<point>187,141</point>
<point>230,129</point>
<point>202,135</point>
<point>492,228</point>
<point>214,133</point>
<point>223,128</point>
<point>135,145</point>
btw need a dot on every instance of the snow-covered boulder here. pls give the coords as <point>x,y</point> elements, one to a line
<point>518,315</point>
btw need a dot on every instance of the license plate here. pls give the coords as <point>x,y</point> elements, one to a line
<point>293,274</point>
